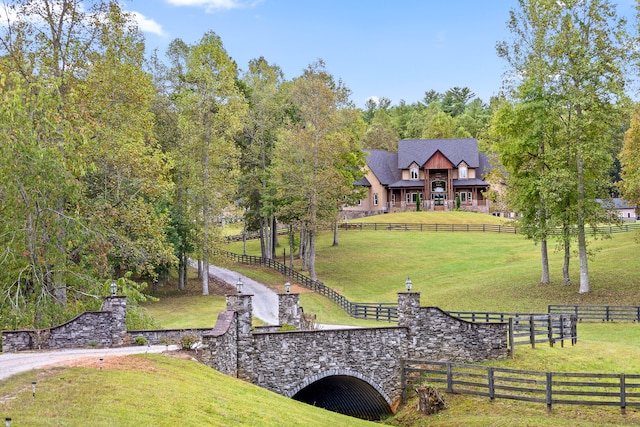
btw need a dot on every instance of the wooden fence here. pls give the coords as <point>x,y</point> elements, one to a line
<point>524,329</point>
<point>482,228</point>
<point>485,228</point>
<point>387,312</point>
<point>529,329</point>
<point>550,388</point>
<point>604,313</point>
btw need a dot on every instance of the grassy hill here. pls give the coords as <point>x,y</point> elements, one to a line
<point>456,271</point>
<point>151,390</point>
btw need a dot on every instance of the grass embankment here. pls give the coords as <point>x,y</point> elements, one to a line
<point>151,390</point>
<point>456,271</point>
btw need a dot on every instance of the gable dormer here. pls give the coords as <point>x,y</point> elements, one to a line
<point>438,161</point>
<point>412,173</point>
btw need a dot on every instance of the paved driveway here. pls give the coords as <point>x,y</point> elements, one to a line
<point>14,363</point>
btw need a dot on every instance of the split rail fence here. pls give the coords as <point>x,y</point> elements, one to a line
<point>380,311</point>
<point>604,313</point>
<point>524,329</point>
<point>529,329</point>
<point>549,388</point>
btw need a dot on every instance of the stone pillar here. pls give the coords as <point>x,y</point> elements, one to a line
<point>241,304</point>
<point>408,308</point>
<point>117,305</point>
<point>289,311</point>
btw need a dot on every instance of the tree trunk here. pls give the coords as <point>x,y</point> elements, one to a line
<point>291,245</point>
<point>205,274</point>
<point>567,260</point>
<point>335,234</point>
<point>544,280</point>
<point>429,401</point>
<point>181,274</point>
<point>312,255</point>
<point>582,238</point>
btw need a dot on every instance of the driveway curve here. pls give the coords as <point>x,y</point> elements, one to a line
<point>264,301</point>
<point>14,363</point>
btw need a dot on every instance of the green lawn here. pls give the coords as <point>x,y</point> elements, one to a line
<point>151,390</point>
<point>455,271</point>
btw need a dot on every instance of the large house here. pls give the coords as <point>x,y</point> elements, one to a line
<point>436,173</point>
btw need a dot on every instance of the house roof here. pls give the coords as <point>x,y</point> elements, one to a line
<point>364,182</point>
<point>473,182</point>
<point>404,183</point>
<point>421,150</point>
<point>383,165</point>
<point>616,203</point>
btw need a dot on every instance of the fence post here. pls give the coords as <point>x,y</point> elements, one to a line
<point>532,332</point>
<point>549,391</point>
<point>550,329</point>
<point>490,382</point>
<point>562,330</point>
<point>403,381</point>
<point>623,395</point>
<point>511,337</point>
<point>449,378</point>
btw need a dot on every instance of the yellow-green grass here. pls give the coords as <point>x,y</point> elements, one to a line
<point>151,390</point>
<point>470,271</point>
<point>449,217</point>
<point>186,311</point>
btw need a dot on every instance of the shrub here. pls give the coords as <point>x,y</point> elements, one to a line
<point>140,341</point>
<point>187,341</point>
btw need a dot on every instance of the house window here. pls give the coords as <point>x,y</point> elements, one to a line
<point>463,197</point>
<point>375,199</point>
<point>462,172</point>
<point>414,173</point>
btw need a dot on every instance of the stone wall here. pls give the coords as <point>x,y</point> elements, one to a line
<point>105,328</point>
<point>435,335</point>
<point>286,362</point>
<point>221,344</point>
<point>165,336</point>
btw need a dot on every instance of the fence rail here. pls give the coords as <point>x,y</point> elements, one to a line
<point>387,312</point>
<point>604,313</point>
<point>485,228</point>
<point>482,228</point>
<point>550,388</point>
<point>524,329</point>
<point>529,329</point>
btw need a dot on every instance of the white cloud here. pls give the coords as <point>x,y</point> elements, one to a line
<point>211,6</point>
<point>148,25</point>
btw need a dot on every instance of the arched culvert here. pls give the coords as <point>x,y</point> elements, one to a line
<point>346,395</point>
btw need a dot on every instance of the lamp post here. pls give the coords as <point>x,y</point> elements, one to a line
<point>114,288</point>
<point>7,422</point>
<point>408,284</point>
<point>287,287</point>
<point>239,285</point>
<point>33,388</point>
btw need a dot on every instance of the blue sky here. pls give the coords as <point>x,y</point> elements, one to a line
<point>379,48</point>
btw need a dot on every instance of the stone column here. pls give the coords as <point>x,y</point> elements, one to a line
<point>289,311</point>
<point>408,308</point>
<point>241,305</point>
<point>117,305</point>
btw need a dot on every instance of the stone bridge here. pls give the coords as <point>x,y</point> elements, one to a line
<point>355,371</point>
